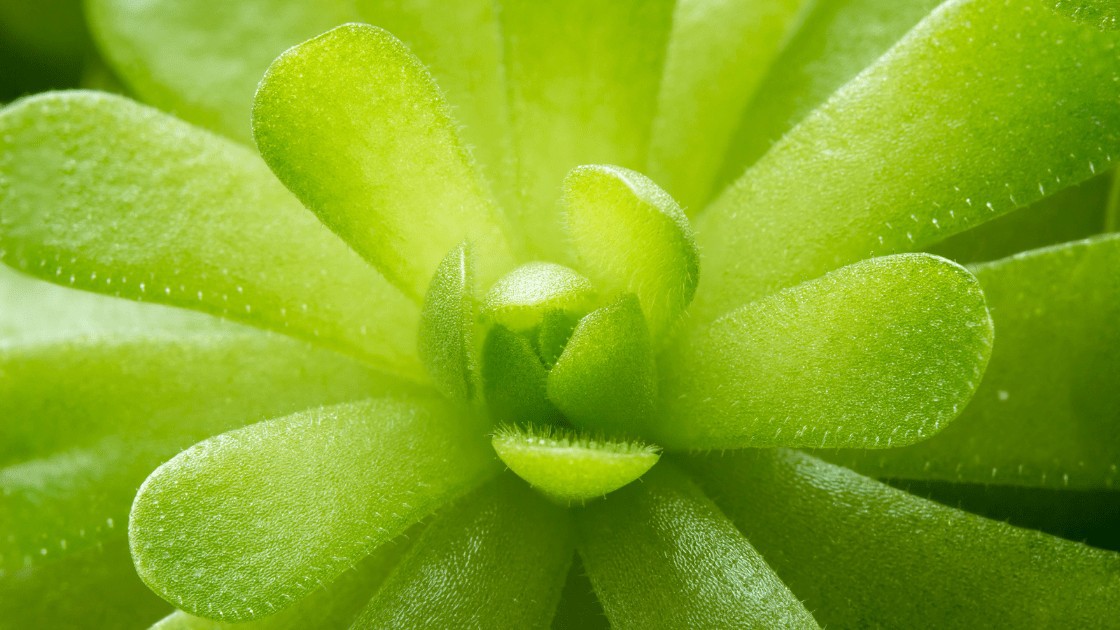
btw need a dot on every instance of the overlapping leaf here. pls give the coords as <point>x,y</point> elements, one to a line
<point>106,195</point>
<point>1047,411</point>
<point>939,135</point>
<point>245,524</point>
<point>860,553</point>
<point>372,149</point>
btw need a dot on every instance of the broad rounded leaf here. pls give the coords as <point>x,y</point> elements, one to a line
<point>606,378</point>
<point>571,467</point>
<point>354,124</point>
<point>106,195</point>
<point>661,555</point>
<point>632,237</point>
<point>210,537</point>
<point>984,107</point>
<point>1047,411</point>
<point>496,559</point>
<point>881,353</point>
<point>860,553</point>
<point>447,326</point>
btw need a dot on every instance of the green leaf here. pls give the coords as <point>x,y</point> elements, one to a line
<point>299,500</point>
<point>520,298</point>
<point>447,326</point>
<point>106,195</point>
<point>356,127</point>
<point>203,60</point>
<point>35,312</point>
<point>514,380</point>
<point>863,554</point>
<point>1047,411</point>
<point>606,379</point>
<point>1074,213</point>
<point>460,41</point>
<point>583,83</point>
<point>93,588</point>
<point>572,467</point>
<point>834,41</point>
<point>984,107</point>
<point>553,334</point>
<point>86,419</point>
<point>496,559</point>
<point>1103,14</point>
<point>579,608</point>
<point>333,606</point>
<point>632,237</point>
<point>878,354</point>
<point>719,51</point>
<point>661,555</point>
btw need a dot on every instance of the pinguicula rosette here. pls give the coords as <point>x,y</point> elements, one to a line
<point>508,314</point>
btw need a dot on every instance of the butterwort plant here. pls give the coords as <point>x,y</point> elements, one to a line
<point>571,314</point>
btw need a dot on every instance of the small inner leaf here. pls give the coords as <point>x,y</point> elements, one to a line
<point>632,236</point>
<point>606,378</point>
<point>514,380</point>
<point>569,466</point>
<point>447,326</point>
<point>340,481</point>
<point>877,354</point>
<point>553,334</point>
<point>520,298</point>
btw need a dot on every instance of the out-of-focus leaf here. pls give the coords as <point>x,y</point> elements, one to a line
<point>719,51</point>
<point>881,353</point>
<point>863,554</point>
<point>583,83</point>
<point>514,380</point>
<point>106,195</point>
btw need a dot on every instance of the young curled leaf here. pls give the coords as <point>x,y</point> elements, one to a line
<point>632,237</point>
<point>572,467</point>
<point>447,326</point>
<point>606,378</point>
<point>881,353</point>
<point>519,299</point>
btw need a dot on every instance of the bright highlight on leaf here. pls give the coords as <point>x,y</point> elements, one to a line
<point>878,354</point>
<point>105,195</point>
<point>878,556</point>
<point>606,380</point>
<point>632,237</point>
<point>572,467</point>
<point>371,148</point>
<point>521,298</point>
<point>496,559</point>
<point>661,555</point>
<point>447,326</point>
<point>1046,412</point>
<point>910,151</point>
<point>296,501</point>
